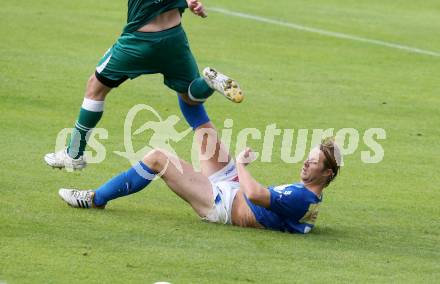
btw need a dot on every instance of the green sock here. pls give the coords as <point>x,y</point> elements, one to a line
<point>199,91</point>
<point>89,115</point>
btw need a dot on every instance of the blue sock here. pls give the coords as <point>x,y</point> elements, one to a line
<point>195,115</point>
<point>131,181</point>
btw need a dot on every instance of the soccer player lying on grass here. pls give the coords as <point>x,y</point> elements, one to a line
<point>225,192</point>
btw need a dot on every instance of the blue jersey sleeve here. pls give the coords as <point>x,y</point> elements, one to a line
<point>287,203</point>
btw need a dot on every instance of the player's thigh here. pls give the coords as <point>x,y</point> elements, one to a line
<point>193,187</point>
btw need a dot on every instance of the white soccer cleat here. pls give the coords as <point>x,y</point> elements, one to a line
<point>78,198</point>
<point>61,160</point>
<point>223,84</point>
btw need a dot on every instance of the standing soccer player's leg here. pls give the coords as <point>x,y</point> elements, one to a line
<point>181,74</point>
<point>106,77</point>
<point>90,113</point>
<point>130,57</point>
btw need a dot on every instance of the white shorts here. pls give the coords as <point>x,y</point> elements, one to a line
<point>224,188</point>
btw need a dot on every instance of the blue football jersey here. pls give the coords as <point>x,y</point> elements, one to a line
<point>293,208</point>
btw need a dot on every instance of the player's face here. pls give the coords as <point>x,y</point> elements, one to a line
<point>313,167</point>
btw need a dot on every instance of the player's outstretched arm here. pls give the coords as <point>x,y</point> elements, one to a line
<point>197,8</point>
<point>256,192</point>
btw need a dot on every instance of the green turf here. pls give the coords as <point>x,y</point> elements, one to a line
<point>378,223</point>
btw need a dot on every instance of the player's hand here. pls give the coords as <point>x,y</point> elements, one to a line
<point>197,8</point>
<point>246,156</point>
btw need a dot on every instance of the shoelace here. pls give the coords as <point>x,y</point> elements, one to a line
<point>220,82</point>
<point>83,195</point>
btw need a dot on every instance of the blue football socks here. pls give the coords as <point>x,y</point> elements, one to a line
<point>129,182</point>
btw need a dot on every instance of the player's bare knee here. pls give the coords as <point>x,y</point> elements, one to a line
<point>156,159</point>
<point>90,85</point>
<point>96,90</point>
<point>92,78</point>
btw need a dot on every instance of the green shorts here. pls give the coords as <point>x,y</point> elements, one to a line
<point>137,53</point>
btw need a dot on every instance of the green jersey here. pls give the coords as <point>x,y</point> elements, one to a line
<point>140,12</point>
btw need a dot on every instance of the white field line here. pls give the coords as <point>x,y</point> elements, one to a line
<point>324,32</point>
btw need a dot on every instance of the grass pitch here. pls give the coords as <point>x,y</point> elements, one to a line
<point>378,222</point>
